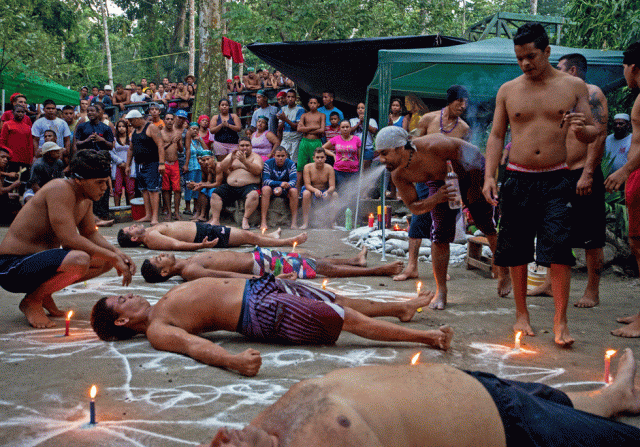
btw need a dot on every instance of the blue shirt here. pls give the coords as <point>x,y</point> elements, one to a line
<point>327,112</point>
<point>273,175</point>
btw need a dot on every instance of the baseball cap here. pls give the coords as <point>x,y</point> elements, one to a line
<point>182,114</point>
<point>13,97</point>
<point>133,114</point>
<point>281,94</point>
<point>107,87</point>
<point>49,146</point>
<point>260,92</point>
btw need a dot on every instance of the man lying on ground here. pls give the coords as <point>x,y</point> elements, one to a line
<point>190,236</point>
<point>53,241</point>
<point>233,264</point>
<point>265,309</point>
<point>382,406</point>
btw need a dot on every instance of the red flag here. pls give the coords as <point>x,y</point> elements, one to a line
<point>233,50</point>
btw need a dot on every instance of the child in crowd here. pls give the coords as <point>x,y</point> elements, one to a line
<point>195,148</point>
<point>334,129</point>
<point>119,163</point>
<point>212,177</point>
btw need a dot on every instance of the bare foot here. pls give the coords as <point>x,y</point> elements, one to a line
<point>264,226</point>
<point>393,268</point>
<point>523,325</point>
<point>589,299</point>
<point>176,216</point>
<point>304,226</point>
<point>544,289</point>
<point>362,257</point>
<point>51,307</point>
<point>35,313</point>
<point>625,396</point>
<point>294,225</point>
<point>504,282</point>
<point>144,219</point>
<point>195,218</point>
<point>154,222</point>
<point>443,337</point>
<point>439,301</point>
<point>413,305</point>
<point>276,234</point>
<point>408,273</point>
<point>104,223</point>
<point>630,331</point>
<point>629,319</point>
<point>562,338</point>
<point>300,239</point>
<point>245,223</point>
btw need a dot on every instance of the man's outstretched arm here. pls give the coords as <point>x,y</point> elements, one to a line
<point>165,337</point>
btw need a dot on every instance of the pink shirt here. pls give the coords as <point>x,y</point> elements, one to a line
<point>346,153</point>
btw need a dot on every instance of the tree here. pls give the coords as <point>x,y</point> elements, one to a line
<point>211,80</point>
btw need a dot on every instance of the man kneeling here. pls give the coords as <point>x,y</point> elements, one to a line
<point>265,309</point>
<point>382,406</point>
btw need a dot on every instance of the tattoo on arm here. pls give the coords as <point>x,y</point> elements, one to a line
<point>596,108</point>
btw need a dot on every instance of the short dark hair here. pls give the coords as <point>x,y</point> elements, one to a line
<point>15,98</point>
<point>151,273</point>
<point>329,91</point>
<point>103,320</point>
<point>456,92</point>
<point>532,32</point>
<point>279,149</point>
<point>314,97</point>
<point>99,105</point>
<point>124,240</point>
<point>47,102</point>
<point>119,86</point>
<point>90,164</point>
<point>576,60</point>
<point>50,131</point>
<point>67,108</point>
<point>244,139</point>
<point>631,55</point>
<point>334,114</point>
<point>319,150</point>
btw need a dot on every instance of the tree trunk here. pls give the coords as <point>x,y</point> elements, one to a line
<point>211,80</point>
<point>192,37</point>
<point>107,47</point>
<point>178,36</point>
<point>533,6</point>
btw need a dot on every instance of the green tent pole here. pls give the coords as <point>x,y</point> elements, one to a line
<point>365,134</point>
<point>383,103</point>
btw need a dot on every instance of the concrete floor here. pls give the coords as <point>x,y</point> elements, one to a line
<point>151,398</point>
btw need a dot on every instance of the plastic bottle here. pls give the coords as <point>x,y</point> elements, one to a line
<point>277,269</point>
<point>348,219</point>
<point>452,182</point>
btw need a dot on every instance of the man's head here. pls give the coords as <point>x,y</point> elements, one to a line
<point>261,99</point>
<point>621,124</point>
<point>169,120</point>
<point>245,145</point>
<point>334,119</point>
<point>90,171</point>
<point>119,89</point>
<point>158,268</point>
<point>281,97</point>
<point>457,100</point>
<point>181,117</point>
<point>84,104</point>
<point>313,103</point>
<point>161,88</point>
<point>319,157</point>
<point>94,91</point>
<point>327,98</point>
<point>280,156</point>
<point>132,86</point>
<point>631,63</point>
<point>391,142</point>
<point>68,114</point>
<point>107,90</point>
<point>152,86</point>
<point>154,110</point>
<point>143,82</point>
<point>50,109</point>
<point>84,91</point>
<point>100,93</point>
<point>93,113</point>
<point>112,316</point>
<point>135,118</point>
<point>139,89</point>
<point>291,98</point>
<point>19,112</point>
<point>5,157</point>
<point>50,136</point>
<point>531,45</point>
<point>190,79</point>
<point>574,64</point>
<point>165,81</point>
<point>51,151</point>
<point>18,98</point>
<point>131,236</point>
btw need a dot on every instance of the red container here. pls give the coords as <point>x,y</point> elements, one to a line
<point>137,208</point>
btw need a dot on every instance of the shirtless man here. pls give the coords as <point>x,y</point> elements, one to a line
<point>265,309</point>
<point>243,169</point>
<point>60,215</point>
<point>312,127</point>
<point>540,106</point>
<point>190,236</point>
<point>319,184</point>
<point>630,173</point>
<point>337,410</point>
<point>588,220</point>
<point>172,139</point>
<point>121,97</point>
<point>233,264</point>
<point>423,160</point>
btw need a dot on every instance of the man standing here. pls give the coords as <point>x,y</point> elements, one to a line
<point>172,145</point>
<point>15,99</point>
<point>279,179</point>
<point>289,118</point>
<point>264,109</point>
<point>243,169</point>
<point>540,106</point>
<point>328,107</point>
<point>50,121</point>
<point>16,135</point>
<point>147,147</point>
<point>588,220</point>
<point>311,127</point>
<point>31,258</point>
<point>618,143</point>
<point>96,135</point>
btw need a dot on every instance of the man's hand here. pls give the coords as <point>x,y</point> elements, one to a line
<point>277,191</point>
<point>291,276</point>
<point>583,187</point>
<point>123,269</point>
<point>444,194</point>
<point>11,175</point>
<point>615,181</point>
<point>247,363</point>
<point>209,244</point>
<point>319,194</point>
<point>285,185</point>
<point>127,171</point>
<point>490,191</point>
<point>161,168</point>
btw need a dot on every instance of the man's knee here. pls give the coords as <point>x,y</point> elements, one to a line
<point>266,191</point>
<point>293,193</point>
<point>77,258</point>
<point>253,195</point>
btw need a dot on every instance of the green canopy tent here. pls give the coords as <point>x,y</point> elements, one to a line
<point>36,89</point>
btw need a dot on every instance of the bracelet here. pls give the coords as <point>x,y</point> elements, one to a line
<point>161,164</point>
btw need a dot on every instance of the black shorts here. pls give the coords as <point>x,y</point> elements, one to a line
<point>588,217</point>
<point>535,415</point>
<point>229,194</point>
<point>211,232</point>
<point>25,273</point>
<point>535,205</point>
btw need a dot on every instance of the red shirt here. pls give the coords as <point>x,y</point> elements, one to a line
<point>17,137</point>
<point>8,116</point>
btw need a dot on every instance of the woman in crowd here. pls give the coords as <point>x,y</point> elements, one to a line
<point>397,114</point>
<point>225,131</point>
<point>203,131</point>
<point>357,130</point>
<point>263,140</point>
<point>345,148</point>
<point>416,108</point>
<point>121,145</point>
<point>195,148</point>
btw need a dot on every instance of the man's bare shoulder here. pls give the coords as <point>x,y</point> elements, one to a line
<point>428,117</point>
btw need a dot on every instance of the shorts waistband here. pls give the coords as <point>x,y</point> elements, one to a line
<point>170,163</point>
<point>520,168</point>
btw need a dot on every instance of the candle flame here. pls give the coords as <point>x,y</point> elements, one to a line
<point>324,284</point>
<point>418,286</point>
<point>610,353</point>
<point>518,335</point>
<point>93,392</point>
<point>371,215</point>
<point>414,359</point>
<point>263,230</point>
<point>69,315</point>
<point>294,246</point>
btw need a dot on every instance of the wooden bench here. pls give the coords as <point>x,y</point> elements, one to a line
<point>474,254</point>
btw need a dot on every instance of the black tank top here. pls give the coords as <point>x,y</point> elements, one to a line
<point>144,148</point>
<point>226,135</point>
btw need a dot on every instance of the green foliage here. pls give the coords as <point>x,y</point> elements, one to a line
<point>616,210</point>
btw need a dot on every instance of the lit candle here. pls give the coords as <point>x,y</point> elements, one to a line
<point>607,364</point>
<point>92,405</point>
<point>324,284</point>
<point>294,247</point>
<point>414,359</point>
<point>263,230</point>
<point>66,323</point>
<point>418,287</point>
<point>396,227</point>
<point>516,345</point>
<point>371,220</point>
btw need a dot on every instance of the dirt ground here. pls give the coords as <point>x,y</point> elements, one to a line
<point>151,398</point>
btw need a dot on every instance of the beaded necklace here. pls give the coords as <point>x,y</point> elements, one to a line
<point>442,129</point>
